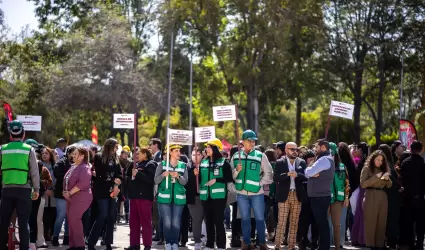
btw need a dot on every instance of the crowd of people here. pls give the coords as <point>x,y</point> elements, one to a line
<point>307,197</point>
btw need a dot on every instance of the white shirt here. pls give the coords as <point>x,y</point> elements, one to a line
<point>291,168</point>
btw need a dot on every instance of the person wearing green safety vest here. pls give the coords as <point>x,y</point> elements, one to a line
<point>251,171</point>
<point>20,183</point>
<point>214,172</point>
<point>171,196</point>
<point>339,197</point>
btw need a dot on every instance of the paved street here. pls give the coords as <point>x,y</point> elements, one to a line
<point>121,240</point>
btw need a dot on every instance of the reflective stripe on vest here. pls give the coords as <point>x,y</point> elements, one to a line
<point>175,193</point>
<point>207,172</point>
<point>338,184</point>
<point>15,163</point>
<point>249,177</point>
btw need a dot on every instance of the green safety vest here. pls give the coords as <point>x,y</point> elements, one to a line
<point>338,184</point>
<point>249,177</point>
<point>175,193</point>
<point>14,163</point>
<point>216,191</point>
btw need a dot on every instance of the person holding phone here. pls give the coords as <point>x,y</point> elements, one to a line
<point>375,177</point>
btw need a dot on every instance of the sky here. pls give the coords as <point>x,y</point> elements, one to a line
<point>18,14</point>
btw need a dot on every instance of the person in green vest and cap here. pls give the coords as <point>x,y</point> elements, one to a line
<point>215,172</point>
<point>20,183</point>
<point>340,189</point>
<point>251,171</point>
<point>171,197</point>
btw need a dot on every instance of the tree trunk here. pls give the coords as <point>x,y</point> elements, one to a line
<point>250,107</point>
<point>378,122</point>
<point>357,104</point>
<point>298,122</point>
<point>158,129</point>
<point>255,107</point>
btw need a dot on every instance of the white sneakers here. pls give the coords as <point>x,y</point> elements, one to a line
<point>168,247</point>
<point>198,246</point>
<point>175,247</point>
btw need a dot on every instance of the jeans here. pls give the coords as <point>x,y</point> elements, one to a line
<point>171,219</point>
<point>106,214</point>
<point>60,217</point>
<point>227,216</point>
<point>343,226</point>
<point>19,199</point>
<point>319,206</point>
<point>256,202</point>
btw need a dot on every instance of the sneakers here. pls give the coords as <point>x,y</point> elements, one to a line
<point>168,247</point>
<point>175,247</point>
<point>32,246</point>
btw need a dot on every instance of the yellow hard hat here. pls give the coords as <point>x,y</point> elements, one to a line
<point>215,142</point>
<point>172,146</point>
<point>126,148</point>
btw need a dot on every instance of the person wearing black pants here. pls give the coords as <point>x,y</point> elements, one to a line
<point>236,227</point>
<point>214,172</point>
<point>307,220</point>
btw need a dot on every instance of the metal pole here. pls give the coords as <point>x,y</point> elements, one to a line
<point>191,96</point>
<point>169,101</point>
<point>401,86</point>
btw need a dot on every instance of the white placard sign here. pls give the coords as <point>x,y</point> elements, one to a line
<point>30,122</point>
<point>124,121</point>
<point>224,113</point>
<point>204,134</point>
<point>341,109</point>
<point>181,137</point>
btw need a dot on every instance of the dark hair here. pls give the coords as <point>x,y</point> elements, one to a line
<point>94,149</point>
<point>69,150</point>
<point>387,151</point>
<point>85,153</point>
<point>345,155</point>
<point>216,154</point>
<point>271,155</point>
<point>107,152</point>
<point>260,148</point>
<point>308,154</point>
<point>370,162</point>
<point>234,150</point>
<point>18,136</point>
<point>337,160</point>
<point>323,142</point>
<point>157,141</point>
<point>394,146</point>
<point>147,152</point>
<point>416,147</point>
<point>51,153</point>
<point>224,153</point>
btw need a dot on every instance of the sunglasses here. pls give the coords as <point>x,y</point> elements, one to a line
<point>293,149</point>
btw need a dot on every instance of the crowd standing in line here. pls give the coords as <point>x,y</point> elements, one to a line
<point>327,195</point>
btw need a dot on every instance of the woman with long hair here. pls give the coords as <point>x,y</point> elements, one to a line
<point>77,192</point>
<point>171,180</point>
<point>394,201</point>
<point>105,191</point>
<point>215,172</point>
<point>375,178</point>
<point>358,230</point>
<point>48,161</point>
<point>140,193</point>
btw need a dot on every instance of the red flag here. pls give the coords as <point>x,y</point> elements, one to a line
<point>7,112</point>
<point>94,134</point>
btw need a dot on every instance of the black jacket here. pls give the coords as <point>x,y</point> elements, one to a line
<point>191,189</point>
<point>412,176</point>
<point>106,173</point>
<point>59,171</point>
<point>283,181</point>
<point>143,185</point>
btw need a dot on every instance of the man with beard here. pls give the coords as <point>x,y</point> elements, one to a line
<point>289,176</point>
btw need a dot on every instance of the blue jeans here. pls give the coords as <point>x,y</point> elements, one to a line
<point>256,202</point>
<point>319,207</point>
<point>227,215</point>
<point>171,218</point>
<point>106,214</point>
<point>60,217</point>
